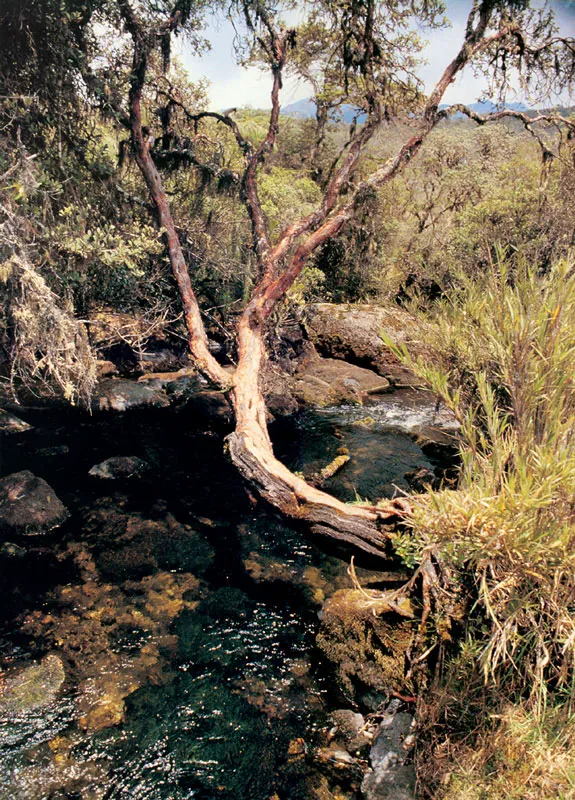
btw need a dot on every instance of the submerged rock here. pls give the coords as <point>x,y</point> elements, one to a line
<point>51,452</point>
<point>33,687</point>
<point>391,777</point>
<point>209,408</point>
<point>10,550</point>
<point>120,467</point>
<point>28,505</point>
<point>123,395</point>
<point>12,424</point>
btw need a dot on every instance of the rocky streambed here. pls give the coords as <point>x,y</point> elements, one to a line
<point>162,638</point>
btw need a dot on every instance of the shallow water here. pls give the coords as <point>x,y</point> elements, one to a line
<point>184,621</point>
<point>378,436</point>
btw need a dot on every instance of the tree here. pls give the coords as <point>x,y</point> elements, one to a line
<point>366,54</point>
<point>498,35</point>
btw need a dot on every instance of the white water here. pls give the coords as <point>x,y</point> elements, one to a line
<point>402,411</point>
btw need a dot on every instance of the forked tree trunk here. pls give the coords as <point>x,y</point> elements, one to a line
<point>250,448</point>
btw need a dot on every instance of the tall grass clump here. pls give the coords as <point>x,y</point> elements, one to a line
<point>503,349</point>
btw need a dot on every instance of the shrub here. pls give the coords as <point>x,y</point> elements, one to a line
<point>504,362</point>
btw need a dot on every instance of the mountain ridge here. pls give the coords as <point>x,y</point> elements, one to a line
<point>305,109</point>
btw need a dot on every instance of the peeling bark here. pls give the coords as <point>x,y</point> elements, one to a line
<point>363,526</point>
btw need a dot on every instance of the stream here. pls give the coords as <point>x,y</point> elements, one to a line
<point>179,621</point>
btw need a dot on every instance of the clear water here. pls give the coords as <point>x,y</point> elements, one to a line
<point>202,611</point>
<point>379,438</point>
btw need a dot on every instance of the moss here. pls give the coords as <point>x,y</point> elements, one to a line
<point>367,651</point>
<point>32,688</point>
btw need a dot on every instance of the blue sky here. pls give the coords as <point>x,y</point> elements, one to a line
<point>232,85</point>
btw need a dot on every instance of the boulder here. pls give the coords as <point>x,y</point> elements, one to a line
<point>31,688</point>
<point>122,395</point>
<point>329,381</point>
<point>28,505</point>
<point>120,467</point>
<point>353,332</point>
<point>11,424</point>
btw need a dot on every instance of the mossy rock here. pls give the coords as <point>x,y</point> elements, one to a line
<point>32,688</point>
<point>28,505</point>
<point>365,644</point>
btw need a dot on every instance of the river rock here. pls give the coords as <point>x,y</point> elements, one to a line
<point>277,387</point>
<point>31,688</point>
<point>209,408</point>
<point>122,395</point>
<point>28,505</point>
<point>9,550</point>
<point>328,381</point>
<point>366,642</point>
<point>12,424</point>
<point>353,332</point>
<point>120,467</point>
<point>351,728</point>
<point>391,777</point>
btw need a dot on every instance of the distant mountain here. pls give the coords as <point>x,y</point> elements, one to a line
<point>305,109</point>
<point>487,107</point>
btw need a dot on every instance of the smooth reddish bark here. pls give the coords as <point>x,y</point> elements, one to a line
<point>250,448</point>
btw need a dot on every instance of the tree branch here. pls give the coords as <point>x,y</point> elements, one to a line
<point>198,340</point>
<point>507,113</point>
<point>327,221</point>
<point>262,245</point>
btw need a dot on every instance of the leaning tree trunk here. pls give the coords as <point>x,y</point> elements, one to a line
<point>250,449</point>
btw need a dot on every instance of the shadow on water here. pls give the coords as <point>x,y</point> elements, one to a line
<point>184,621</point>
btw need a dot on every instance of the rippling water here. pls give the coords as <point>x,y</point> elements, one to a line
<point>380,440</point>
<point>189,621</point>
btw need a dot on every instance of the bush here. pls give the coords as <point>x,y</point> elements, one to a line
<point>504,362</point>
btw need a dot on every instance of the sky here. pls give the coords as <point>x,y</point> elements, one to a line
<point>233,85</point>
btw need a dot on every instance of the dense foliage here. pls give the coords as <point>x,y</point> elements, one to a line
<point>504,360</point>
